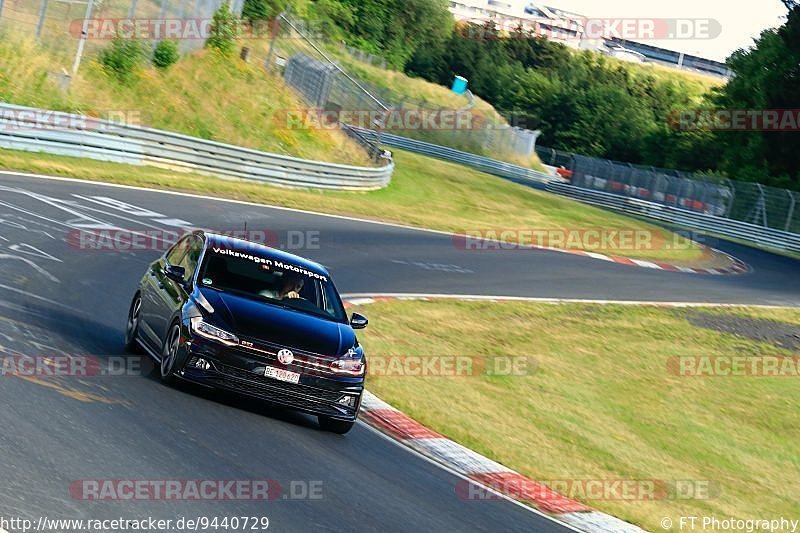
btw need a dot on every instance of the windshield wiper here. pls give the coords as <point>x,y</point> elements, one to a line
<point>218,289</point>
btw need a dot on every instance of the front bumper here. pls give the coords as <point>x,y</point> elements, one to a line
<point>238,370</point>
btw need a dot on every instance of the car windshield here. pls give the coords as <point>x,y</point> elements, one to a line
<point>271,279</point>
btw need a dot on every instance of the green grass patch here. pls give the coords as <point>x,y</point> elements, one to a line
<point>598,402</point>
<point>204,95</point>
<point>424,192</point>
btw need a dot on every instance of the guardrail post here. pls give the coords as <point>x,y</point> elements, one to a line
<point>761,207</point>
<point>732,199</point>
<point>790,214</point>
<point>82,42</point>
<point>40,24</point>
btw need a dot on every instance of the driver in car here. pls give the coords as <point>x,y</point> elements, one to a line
<point>291,285</point>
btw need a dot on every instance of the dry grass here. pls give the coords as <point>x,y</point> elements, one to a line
<point>598,403</point>
<point>203,95</point>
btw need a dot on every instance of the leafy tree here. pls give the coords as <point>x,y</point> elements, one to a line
<point>259,10</point>
<point>165,54</point>
<point>767,77</point>
<point>122,57</point>
<point>583,101</point>
<point>395,29</point>
<point>223,31</point>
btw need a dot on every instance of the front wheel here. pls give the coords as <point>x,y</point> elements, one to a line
<point>132,329</point>
<point>169,354</point>
<point>335,426</point>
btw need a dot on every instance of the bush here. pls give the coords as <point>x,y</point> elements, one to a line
<point>166,54</point>
<point>122,57</point>
<point>223,30</point>
<point>258,10</point>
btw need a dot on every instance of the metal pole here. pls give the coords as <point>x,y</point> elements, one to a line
<point>276,27</point>
<point>40,24</point>
<point>84,34</point>
<point>1,8</point>
<point>132,10</point>
<point>162,15</point>
<point>732,199</point>
<point>762,204</point>
<point>790,214</point>
<point>335,65</point>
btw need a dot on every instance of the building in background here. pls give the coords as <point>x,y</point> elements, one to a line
<point>568,28</point>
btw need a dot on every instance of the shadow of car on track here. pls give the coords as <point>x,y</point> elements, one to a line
<point>151,372</point>
<point>43,331</point>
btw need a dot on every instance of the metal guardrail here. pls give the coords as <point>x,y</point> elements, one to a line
<point>36,130</point>
<point>485,164</point>
<point>724,227</point>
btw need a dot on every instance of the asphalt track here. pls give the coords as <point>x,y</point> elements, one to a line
<point>59,299</point>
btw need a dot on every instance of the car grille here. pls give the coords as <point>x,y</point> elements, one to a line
<point>279,387</point>
<point>303,359</point>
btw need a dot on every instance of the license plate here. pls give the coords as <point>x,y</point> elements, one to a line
<point>281,375</point>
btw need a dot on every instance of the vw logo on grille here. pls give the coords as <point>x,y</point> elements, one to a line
<point>285,356</point>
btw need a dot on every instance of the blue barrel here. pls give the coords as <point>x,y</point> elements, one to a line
<point>459,85</point>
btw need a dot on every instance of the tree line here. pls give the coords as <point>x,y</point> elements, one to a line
<point>583,101</point>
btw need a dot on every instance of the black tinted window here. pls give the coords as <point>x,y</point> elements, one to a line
<point>271,280</point>
<point>194,247</point>
<point>176,253</point>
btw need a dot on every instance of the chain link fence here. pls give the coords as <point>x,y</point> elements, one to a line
<point>758,204</point>
<point>58,22</point>
<point>309,62</point>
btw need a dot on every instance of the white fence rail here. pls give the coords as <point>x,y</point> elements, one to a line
<point>485,164</point>
<point>724,227</point>
<point>36,130</point>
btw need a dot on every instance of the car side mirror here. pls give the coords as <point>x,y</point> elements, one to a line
<point>358,321</point>
<point>175,273</point>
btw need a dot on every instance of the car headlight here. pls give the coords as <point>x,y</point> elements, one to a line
<point>204,329</point>
<point>351,367</point>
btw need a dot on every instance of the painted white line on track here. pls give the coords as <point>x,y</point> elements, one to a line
<point>329,215</point>
<point>227,200</point>
<point>35,296</point>
<point>364,298</point>
<point>645,264</point>
<point>465,478</point>
<point>595,255</point>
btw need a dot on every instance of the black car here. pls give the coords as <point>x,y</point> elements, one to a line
<point>235,315</point>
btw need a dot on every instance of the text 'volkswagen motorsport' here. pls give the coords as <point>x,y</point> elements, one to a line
<point>239,316</point>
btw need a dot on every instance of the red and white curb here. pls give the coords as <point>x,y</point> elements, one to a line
<point>736,267</point>
<point>351,300</point>
<point>483,471</point>
<point>480,470</point>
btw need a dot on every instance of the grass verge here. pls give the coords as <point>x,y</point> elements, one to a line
<point>203,95</point>
<point>424,192</point>
<point>598,402</point>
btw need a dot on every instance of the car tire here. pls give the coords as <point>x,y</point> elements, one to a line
<point>171,360</point>
<point>335,426</point>
<point>132,328</point>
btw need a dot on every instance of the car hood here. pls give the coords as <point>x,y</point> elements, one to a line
<point>259,320</point>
